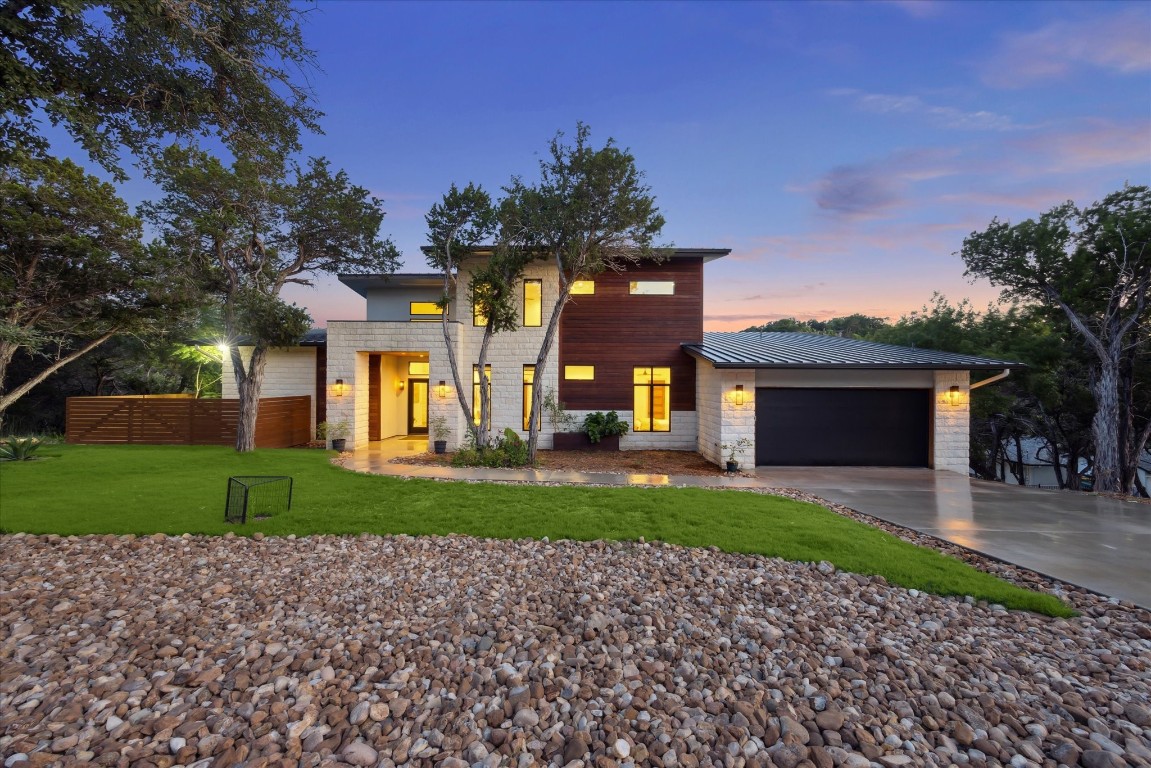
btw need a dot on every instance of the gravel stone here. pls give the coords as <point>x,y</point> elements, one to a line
<point>445,651</point>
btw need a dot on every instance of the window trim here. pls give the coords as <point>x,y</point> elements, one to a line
<point>525,417</point>
<point>540,304</point>
<point>476,390</point>
<point>650,387</point>
<point>424,317</point>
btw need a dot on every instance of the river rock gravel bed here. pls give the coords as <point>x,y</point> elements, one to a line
<point>454,651</point>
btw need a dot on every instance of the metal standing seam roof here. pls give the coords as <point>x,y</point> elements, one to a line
<point>808,350</point>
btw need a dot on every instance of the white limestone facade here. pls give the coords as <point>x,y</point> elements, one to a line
<point>722,419</point>
<point>288,372</point>
<point>951,442</point>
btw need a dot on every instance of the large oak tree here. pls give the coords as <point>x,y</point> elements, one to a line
<point>122,74</point>
<point>249,229</point>
<point>73,270</point>
<point>590,211</point>
<point>1092,266</point>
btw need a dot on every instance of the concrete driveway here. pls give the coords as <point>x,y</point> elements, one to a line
<point>1102,544</point>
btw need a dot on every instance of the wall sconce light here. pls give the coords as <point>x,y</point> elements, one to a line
<point>442,389</point>
<point>339,389</point>
<point>739,394</point>
<point>953,395</point>
<point>400,384</point>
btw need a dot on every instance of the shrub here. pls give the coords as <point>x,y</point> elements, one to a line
<point>599,425</point>
<point>507,451</point>
<point>14,448</point>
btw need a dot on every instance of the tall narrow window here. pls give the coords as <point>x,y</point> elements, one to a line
<point>533,303</point>
<point>529,377</point>
<point>652,390</point>
<point>478,316</point>
<point>476,390</point>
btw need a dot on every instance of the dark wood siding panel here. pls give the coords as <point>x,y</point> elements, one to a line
<point>616,331</point>
<point>321,384</point>
<point>374,378</point>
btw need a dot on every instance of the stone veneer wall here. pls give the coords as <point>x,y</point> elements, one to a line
<point>721,421</point>
<point>288,372</point>
<point>349,344</point>
<point>508,353</point>
<point>951,444</point>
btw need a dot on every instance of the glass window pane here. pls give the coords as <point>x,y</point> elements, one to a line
<point>661,375</point>
<point>478,317</point>
<point>652,287</point>
<point>579,372</point>
<point>529,377</point>
<point>582,287</point>
<point>641,416</point>
<point>417,369</point>
<point>533,303</point>
<point>641,376</point>
<point>424,310</point>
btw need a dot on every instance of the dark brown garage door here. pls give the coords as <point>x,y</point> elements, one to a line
<point>842,427</point>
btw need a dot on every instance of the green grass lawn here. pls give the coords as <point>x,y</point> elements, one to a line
<point>179,489</point>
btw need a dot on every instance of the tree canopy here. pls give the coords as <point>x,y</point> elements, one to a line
<point>73,269</point>
<point>124,74</point>
<point>252,227</point>
<point>1092,266</point>
<point>589,212</point>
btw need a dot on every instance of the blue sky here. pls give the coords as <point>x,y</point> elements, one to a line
<point>842,150</point>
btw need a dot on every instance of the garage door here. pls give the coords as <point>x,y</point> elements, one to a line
<point>842,427</point>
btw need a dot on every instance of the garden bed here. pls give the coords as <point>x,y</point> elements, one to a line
<point>614,462</point>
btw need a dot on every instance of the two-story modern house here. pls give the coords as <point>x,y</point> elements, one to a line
<point>633,342</point>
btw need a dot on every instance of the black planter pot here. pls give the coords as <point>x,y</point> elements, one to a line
<point>733,466</point>
<point>440,446</point>
<point>339,443</point>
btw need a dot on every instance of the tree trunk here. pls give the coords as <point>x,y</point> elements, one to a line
<point>1105,428</point>
<point>8,398</point>
<point>484,432</point>
<point>460,397</point>
<point>1053,448</point>
<point>248,385</point>
<point>1021,473</point>
<point>541,364</point>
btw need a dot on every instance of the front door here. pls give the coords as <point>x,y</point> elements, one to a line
<point>417,406</point>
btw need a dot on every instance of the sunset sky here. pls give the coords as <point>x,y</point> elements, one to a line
<point>842,150</point>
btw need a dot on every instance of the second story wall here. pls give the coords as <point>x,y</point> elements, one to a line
<point>394,304</point>
<point>616,330</point>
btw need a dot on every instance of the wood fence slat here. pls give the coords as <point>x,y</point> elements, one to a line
<point>184,420</point>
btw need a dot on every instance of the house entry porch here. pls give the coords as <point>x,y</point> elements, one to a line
<point>397,394</point>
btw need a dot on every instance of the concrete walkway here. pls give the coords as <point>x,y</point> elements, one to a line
<point>1099,543</point>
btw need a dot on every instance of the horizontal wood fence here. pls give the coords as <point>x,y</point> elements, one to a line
<point>184,420</point>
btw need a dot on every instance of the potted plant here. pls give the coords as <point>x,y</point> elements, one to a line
<point>732,449</point>
<point>603,430</point>
<point>440,433</point>
<point>336,431</point>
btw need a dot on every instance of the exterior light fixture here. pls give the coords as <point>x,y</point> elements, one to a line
<point>739,394</point>
<point>339,389</point>
<point>953,395</point>
<point>400,386</point>
<point>442,389</point>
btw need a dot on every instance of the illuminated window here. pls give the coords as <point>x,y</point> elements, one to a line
<point>533,303</point>
<point>651,287</point>
<point>476,390</point>
<point>529,377</point>
<point>579,372</point>
<point>478,317</point>
<point>582,287</point>
<point>417,369</point>
<point>652,388</point>
<point>424,311</point>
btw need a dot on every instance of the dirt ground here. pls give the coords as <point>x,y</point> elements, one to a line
<point>615,462</point>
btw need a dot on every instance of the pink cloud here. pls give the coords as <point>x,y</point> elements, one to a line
<point>1118,42</point>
